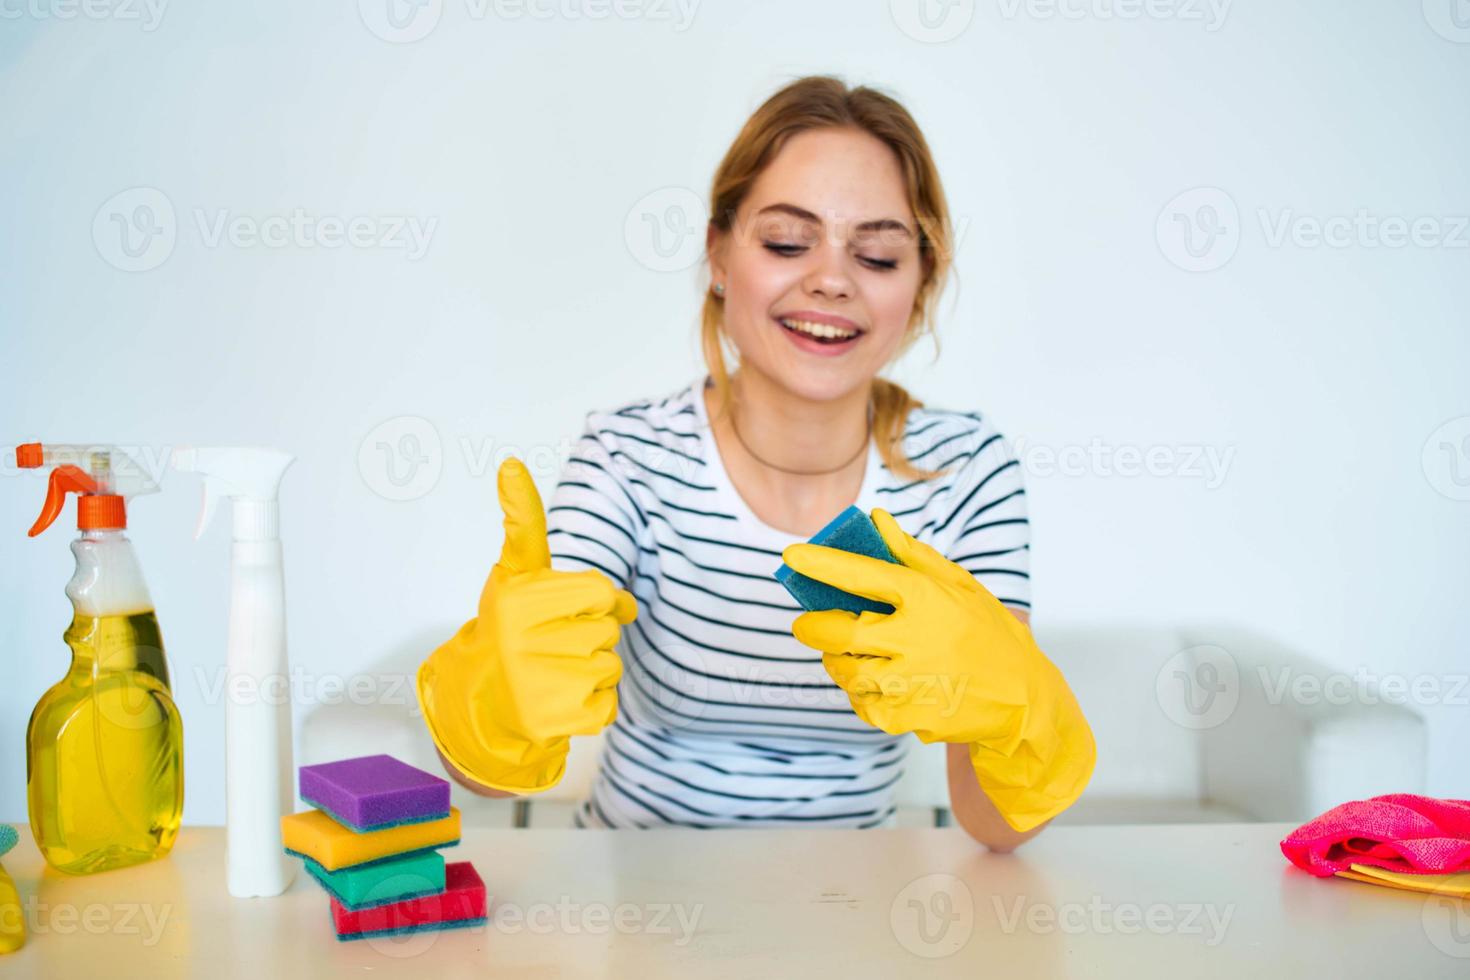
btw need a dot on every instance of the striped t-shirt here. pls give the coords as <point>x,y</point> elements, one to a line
<point>724,719</point>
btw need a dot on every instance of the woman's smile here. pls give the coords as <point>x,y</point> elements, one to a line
<point>823,334</point>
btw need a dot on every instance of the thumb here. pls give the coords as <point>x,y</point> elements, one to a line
<point>625,609</point>
<point>525,548</point>
<point>916,554</point>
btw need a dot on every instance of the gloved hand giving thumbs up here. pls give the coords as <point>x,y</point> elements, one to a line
<point>503,695</point>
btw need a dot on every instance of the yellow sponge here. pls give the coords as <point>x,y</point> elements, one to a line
<point>315,835</point>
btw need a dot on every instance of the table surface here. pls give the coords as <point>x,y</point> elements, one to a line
<point>1190,901</point>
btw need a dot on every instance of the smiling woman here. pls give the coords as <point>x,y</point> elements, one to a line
<point>829,245</point>
<point>827,209</point>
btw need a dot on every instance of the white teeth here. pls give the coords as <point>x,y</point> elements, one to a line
<point>824,330</point>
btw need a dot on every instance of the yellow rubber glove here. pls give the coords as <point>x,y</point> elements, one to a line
<point>503,696</point>
<point>12,919</point>
<point>950,664</point>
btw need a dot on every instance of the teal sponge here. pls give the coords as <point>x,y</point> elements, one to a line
<point>853,531</point>
<point>8,838</point>
<point>383,882</point>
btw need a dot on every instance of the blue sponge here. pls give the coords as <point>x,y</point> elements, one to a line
<point>851,530</point>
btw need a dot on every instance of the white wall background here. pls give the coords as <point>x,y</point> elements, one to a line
<point>530,141</point>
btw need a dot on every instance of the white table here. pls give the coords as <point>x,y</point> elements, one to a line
<point>1176,901</point>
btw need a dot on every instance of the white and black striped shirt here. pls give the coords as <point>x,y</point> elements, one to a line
<point>724,719</point>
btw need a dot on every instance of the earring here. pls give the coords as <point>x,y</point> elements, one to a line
<point>719,289</point>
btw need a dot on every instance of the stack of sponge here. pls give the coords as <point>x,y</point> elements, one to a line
<point>373,843</point>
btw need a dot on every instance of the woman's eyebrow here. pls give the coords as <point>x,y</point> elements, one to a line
<point>877,224</point>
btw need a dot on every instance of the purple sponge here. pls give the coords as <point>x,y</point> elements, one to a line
<point>373,792</point>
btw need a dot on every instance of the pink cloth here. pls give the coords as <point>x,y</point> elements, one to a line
<point>1400,831</point>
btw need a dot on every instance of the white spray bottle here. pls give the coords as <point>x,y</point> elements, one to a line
<point>257,685</point>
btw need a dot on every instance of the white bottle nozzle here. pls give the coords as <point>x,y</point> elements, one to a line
<point>248,475</point>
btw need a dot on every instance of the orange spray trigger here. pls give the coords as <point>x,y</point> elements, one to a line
<point>64,479</point>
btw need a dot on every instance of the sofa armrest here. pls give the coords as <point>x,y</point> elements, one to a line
<point>1300,737</point>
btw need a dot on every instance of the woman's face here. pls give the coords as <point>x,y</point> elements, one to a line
<point>825,242</point>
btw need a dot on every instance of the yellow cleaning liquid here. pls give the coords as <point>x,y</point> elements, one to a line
<point>104,750</point>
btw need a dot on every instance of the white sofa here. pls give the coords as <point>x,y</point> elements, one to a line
<point>1190,724</point>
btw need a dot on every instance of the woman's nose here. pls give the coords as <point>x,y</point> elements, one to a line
<point>830,277</point>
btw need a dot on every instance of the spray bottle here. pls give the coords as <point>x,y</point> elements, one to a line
<point>258,706</point>
<point>105,745</point>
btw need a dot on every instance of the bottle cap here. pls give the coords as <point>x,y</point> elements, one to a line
<point>101,510</point>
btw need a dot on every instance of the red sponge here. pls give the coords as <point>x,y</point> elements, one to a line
<point>462,903</point>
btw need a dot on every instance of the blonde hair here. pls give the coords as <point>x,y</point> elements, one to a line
<point>820,102</point>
